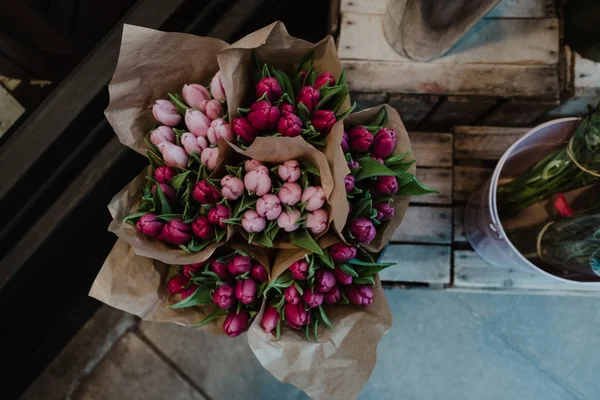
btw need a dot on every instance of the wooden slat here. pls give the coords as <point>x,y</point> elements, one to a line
<point>413,108</point>
<point>467,180</point>
<point>471,271</point>
<point>575,106</point>
<point>425,225</point>
<point>437,178</point>
<point>518,112</point>
<point>459,225</point>
<point>462,110</point>
<point>587,77</point>
<point>460,79</point>
<point>427,264</point>
<point>484,143</point>
<point>10,110</point>
<point>432,149</point>
<point>506,41</point>
<point>367,100</point>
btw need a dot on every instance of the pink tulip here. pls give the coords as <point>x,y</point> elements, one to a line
<point>195,94</point>
<point>252,222</point>
<point>289,171</point>
<point>173,155</point>
<point>167,190</point>
<point>290,193</point>
<point>244,130</point>
<point>251,165</point>
<point>217,214</point>
<point>176,232</point>
<point>296,316</point>
<point>224,296</point>
<point>209,157</point>
<point>324,281</point>
<point>384,143</point>
<point>219,129</point>
<point>299,270</point>
<point>216,87</point>
<point>149,225</point>
<point>214,109</point>
<point>314,197</point>
<point>263,115</point>
<point>239,265</point>
<point>289,125</point>
<point>271,87</point>
<point>341,277</point>
<point>323,121</point>
<point>162,134</point>
<point>245,290</point>
<point>387,185</point>
<point>324,79</point>
<point>268,206</point>
<point>259,273</point>
<point>333,296</point>
<point>291,295</point>
<point>345,145</point>
<point>287,108</point>
<point>360,294</point>
<point>258,181</point>
<point>202,228</point>
<point>177,284</point>
<point>287,220</point>
<point>363,230</point>
<point>193,144</point>
<point>313,299</point>
<point>232,187</point>
<point>360,139</point>
<point>270,319</point>
<point>197,122</point>
<point>316,221</point>
<point>309,96</point>
<point>164,174</point>
<point>220,269</point>
<point>349,183</point>
<point>166,113</point>
<point>342,252</point>
<point>205,193</point>
<point>385,212</point>
<point>353,164</point>
<point>236,324</point>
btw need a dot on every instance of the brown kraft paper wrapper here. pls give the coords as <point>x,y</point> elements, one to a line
<point>126,202</point>
<point>340,363</point>
<point>138,285</point>
<point>151,64</point>
<point>400,203</point>
<point>339,169</point>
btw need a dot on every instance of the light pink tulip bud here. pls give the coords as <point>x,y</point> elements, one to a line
<point>193,144</point>
<point>194,95</point>
<point>290,193</point>
<point>316,221</point>
<point>162,134</point>
<point>251,165</point>
<point>314,197</point>
<point>216,87</point>
<point>166,113</point>
<point>173,155</point>
<point>214,109</point>
<point>289,171</point>
<point>232,187</point>
<point>268,206</point>
<point>258,181</point>
<point>209,157</point>
<point>287,220</point>
<point>219,129</point>
<point>252,222</point>
<point>196,122</point>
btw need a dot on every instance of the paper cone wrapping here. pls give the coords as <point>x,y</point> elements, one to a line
<point>400,203</point>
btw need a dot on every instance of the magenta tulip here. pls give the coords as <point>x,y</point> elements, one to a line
<point>259,273</point>
<point>149,225</point>
<point>363,230</point>
<point>258,181</point>
<point>345,145</point>
<point>189,271</point>
<point>299,270</point>
<point>360,139</point>
<point>245,290</point>
<point>173,155</point>
<point>316,221</point>
<point>385,212</point>
<point>162,134</point>
<point>342,252</point>
<point>217,214</point>
<point>239,265</point>
<point>341,277</point>
<point>252,222</point>
<point>219,128</point>
<point>235,324</point>
<point>205,193</point>
<point>189,291</point>
<point>323,79</point>
<point>263,115</point>
<point>167,190</point>
<point>216,87</point>
<point>289,125</point>
<point>290,193</point>
<point>361,295</point>
<point>378,159</point>
<point>324,281</point>
<point>224,296</point>
<point>197,122</point>
<point>309,96</point>
<point>353,164</point>
<point>232,187</point>
<point>176,232</point>
<point>202,228</point>
<point>270,319</point>
<point>165,112</point>
<point>387,185</point>
<point>244,130</point>
<point>384,143</point>
<point>268,206</point>
<point>214,109</point>
<point>289,171</point>
<point>209,157</point>
<point>271,87</point>
<point>220,269</point>
<point>349,183</point>
<point>164,174</point>
<point>194,94</point>
<point>296,316</point>
<point>332,296</point>
<point>292,295</point>
<point>177,284</point>
<point>323,121</point>
<point>287,108</point>
<point>193,144</point>
<point>312,299</point>
<point>314,197</point>
<point>288,220</point>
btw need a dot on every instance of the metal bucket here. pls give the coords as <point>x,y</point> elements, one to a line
<point>482,223</point>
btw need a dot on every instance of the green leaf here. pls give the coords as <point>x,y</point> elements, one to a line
<point>178,180</point>
<point>345,113</point>
<point>263,239</point>
<point>303,112</point>
<point>363,206</point>
<point>202,295</point>
<point>348,270</point>
<point>195,247</point>
<point>327,94</point>
<point>371,168</point>
<point>370,271</point>
<point>155,160</point>
<point>311,78</point>
<point>365,254</point>
<point>306,331</point>
<point>220,234</point>
<point>364,280</point>
<point>168,217</point>
<point>342,79</point>
<point>302,238</point>
<point>235,171</point>
<point>304,180</point>
<point>217,313</point>
<point>401,166</point>
<point>310,167</point>
<point>265,71</point>
<point>356,261</point>
<point>415,188</point>
<point>396,158</point>
<point>181,106</point>
<point>297,82</point>
<point>129,219</point>
<point>316,330</point>
<point>160,201</point>
<point>278,329</point>
<point>299,287</point>
<point>325,319</point>
<point>381,118</point>
<point>326,259</point>
<point>285,82</point>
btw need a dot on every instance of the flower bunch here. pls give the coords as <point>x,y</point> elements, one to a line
<point>234,282</point>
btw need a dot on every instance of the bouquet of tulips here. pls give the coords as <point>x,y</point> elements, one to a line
<point>268,219</point>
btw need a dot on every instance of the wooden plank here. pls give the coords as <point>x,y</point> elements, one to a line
<point>10,110</point>
<point>425,264</point>
<point>413,108</point>
<point>459,110</point>
<point>432,149</point>
<point>471,271</point>
<point>367,100</point>
<point>467,180</point>
<point>459,225</point>
<point>425,225</point>
<point>587,77</point>
<point>484,143</point>
<point>573,107</point>
<point>506,41</point>
<point>518,112</point>
<point>437,178</point>
<point>430,78</point>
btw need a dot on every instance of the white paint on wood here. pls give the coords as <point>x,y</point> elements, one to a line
<point>427,264</point>
<point>425,225</point>
<point>575,106</point>
<point>10,110</point>
<point>437,178</point>
<point>587,77</point>
<point>432,149</point>
<point>9,83</point>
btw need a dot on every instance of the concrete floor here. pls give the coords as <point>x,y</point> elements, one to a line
<point>444,345</point>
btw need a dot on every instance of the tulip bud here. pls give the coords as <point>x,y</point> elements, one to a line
<point>287,108</point>
<point>162,134</point>
<point>220,269</point>
<point>239,265</point>
<point>216,87</point>
<point>299,270</point>
<point>268,206</point>
<point>385,212</point>
<point>217,214</point>
<point>167,190</point>
<point>289,171</point>
<point>193,144</point>
<point>219,129</point>
<point>258,181</point>
<point>189,271</point>
<point>309,96</point>
<point>378,159</point>
<point>333,296</point>
<point>324,79</point>
<point>341,277</point>
<point>205,193</point>
<point>360,139</point>
<point>353,164</point>
<point>345,145</point>
<point>312,299</point>
<point>164,174</point>
<point>166,113</point>
<point>236,324</point>
<point>177,284</point>
<point>314,197</point>
<point>251,165</point>
<point>349,183</point>
<point>289,125</point>
<point>224,296</point>
<point>202,228</point>
<point>195,94</point>
<point>232,187</point>
<point>270,319</point>
<point>363,230</point>
<point>214,109</point>
<point>387,185</point>
<point>360,294</point>
<point>263,116</point>
<point>291,295</point>
<point>244,130</point>
<point>296,316</point>
<point>173,155</point>
<point>323,121</point>
<point>176,232</point>
<point>287,220</point>
<point>252,222</point>
<point>316,221</point>
<point>209,157</point>
<point>271,87</point>
<point>259,273</point>
<point>342,252</point>
<point>149,225</point>
<point>197,122</point>
<point>245,290</point>
<point>189,291</point>
<point>384,143</point>
<point>324,281</point>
